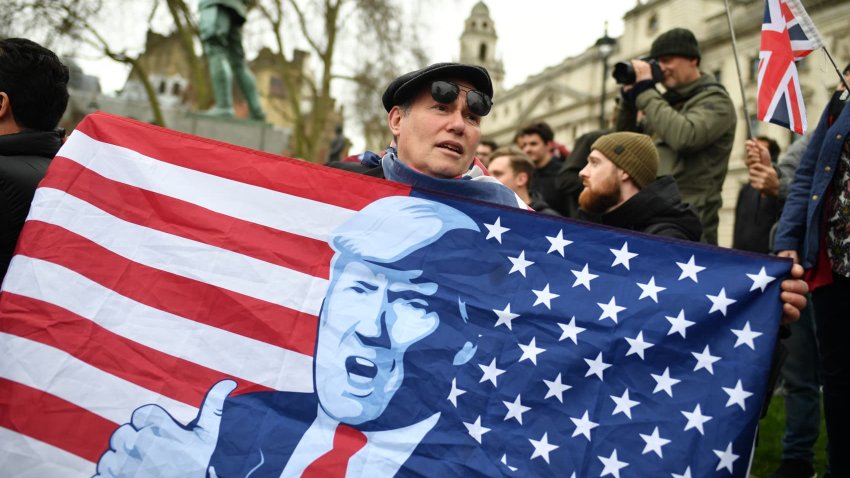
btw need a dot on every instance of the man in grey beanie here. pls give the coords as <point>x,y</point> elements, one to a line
<point>692,122</point>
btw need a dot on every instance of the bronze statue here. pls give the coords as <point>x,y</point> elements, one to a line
<point>220,28</point>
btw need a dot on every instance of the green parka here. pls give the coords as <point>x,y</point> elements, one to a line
<point>694,130</point>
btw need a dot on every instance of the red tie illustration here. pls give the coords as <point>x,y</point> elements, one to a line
<point>333,464</point>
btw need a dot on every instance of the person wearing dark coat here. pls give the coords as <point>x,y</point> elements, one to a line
<point>621,190</point>
<point>33,97</point>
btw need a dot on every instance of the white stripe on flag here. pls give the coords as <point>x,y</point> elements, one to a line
<point>806,23</point>
<point>246,358</point>
<point>185,257</point>
<point>25,457</point>
<point>62,375</point>
<point>284,212</point>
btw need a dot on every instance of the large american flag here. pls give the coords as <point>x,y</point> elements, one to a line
<point>154,264</point>
<point>787,35</point>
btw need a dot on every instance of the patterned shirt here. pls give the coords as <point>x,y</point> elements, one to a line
<point>838,217</point>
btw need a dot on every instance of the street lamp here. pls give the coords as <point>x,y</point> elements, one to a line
<point>605,46</point>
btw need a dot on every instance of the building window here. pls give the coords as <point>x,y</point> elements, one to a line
<point>718,75</point>
<point>276,87</point>
<point>484,25</point>
<point>482,52</point>
<point>175,89</point>
<point>162,87</point>
<point>754,68</point>
<point>652,24</point>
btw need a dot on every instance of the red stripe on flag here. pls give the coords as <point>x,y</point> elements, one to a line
<point>793,101</point>
<point>191,221</point>
<point>278,173</point>
<point>170,376</point>
<point>50,419</point>
<point>234,312</point>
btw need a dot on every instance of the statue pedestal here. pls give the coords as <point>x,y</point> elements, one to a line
<point>243,132</point>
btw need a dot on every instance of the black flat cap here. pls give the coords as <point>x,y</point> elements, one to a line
<point>407,85</point>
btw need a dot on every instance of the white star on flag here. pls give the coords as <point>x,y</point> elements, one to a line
<point>696,419</point>
<point>570,331</point>
<point>556,388</point>
<point>654,443</point>
<point>690,270</point>
<point>558,243</point>
<point>686,474</point>
<point>727,458</point>
<point>505,317</point>
<point>544,297</point>
<point>495,230</point>
<point>583,426</point>
<point>491,372</point>
<point>519,264</point>
<point>530,351</point>
<point>637,345</point>
<point>505,462</point>
<point>583,277</point>
<point>737,395</point>
<point>650,290</point>
<point>745,336</point>
<point>612,465</point>
<point>679,324</point>
<point>455,392</point>
<point>622,256</point>
<point>515,409</point>
<point>610,310</point>
<point>760,280</point>
<point>542,447</point>
<point>720,302</point>
<point>705,360</point>
<point>624,404</point>
<point>596,366</point>
<point>475,429</point>
<point>664,382</point>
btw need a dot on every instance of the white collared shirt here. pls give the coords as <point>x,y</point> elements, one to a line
<point>384,452</point>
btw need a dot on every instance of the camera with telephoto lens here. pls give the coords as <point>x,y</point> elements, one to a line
<point>624,72</point>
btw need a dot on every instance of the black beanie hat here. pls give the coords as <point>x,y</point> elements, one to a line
<point>676,42</point>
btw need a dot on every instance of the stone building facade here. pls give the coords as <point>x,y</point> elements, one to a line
<point>567,95</point>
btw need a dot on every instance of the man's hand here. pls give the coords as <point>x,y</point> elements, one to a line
<point>642,70</point>
<point>154,444</point>
<point>794,290</point>
<point>763,176</point>
<point>764,179</point>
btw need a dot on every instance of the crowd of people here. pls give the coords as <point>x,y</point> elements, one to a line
<point>659,170</point>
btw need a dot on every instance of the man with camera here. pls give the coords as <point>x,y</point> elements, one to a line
<point>692,122</point>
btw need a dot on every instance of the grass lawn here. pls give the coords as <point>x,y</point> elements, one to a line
<point>769,447</point>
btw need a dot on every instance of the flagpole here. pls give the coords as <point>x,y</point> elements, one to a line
<point>738,66</point>
<point>840,75</point>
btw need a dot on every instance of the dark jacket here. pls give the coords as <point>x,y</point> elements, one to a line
<point>24,158</point>
<point>540,205</point>
<point>543,182</point>
<point>694,130</point>
<point>658,210</point>
<point>800,228</point>
<point>755,215</point>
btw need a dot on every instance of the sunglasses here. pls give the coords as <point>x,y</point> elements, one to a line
<point>446,92</point>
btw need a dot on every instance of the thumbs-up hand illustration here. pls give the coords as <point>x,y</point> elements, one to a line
<point>154,444</point>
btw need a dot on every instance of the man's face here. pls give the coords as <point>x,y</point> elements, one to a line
<point>371,315</point>
<point>500,168</point>
<point>601,180</point>
<point>434,138</point>
<point>678,70</point>
<point>535,148</point>
<point>484,152</point>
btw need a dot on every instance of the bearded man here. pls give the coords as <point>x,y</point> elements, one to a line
<point>621,190</point>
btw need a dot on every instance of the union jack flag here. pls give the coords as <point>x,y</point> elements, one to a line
<point>787,35</point>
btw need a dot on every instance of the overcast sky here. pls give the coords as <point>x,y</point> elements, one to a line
<point>533,34</point>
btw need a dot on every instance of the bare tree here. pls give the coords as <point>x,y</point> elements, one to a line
<point>73,21</point>
<point>372,23</point>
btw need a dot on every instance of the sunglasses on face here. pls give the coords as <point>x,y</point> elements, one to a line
<point>446,92</point>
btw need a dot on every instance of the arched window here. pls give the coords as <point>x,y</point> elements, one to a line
<point>162,87</point>
<point>482,52</point>
<point>175,89</point>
